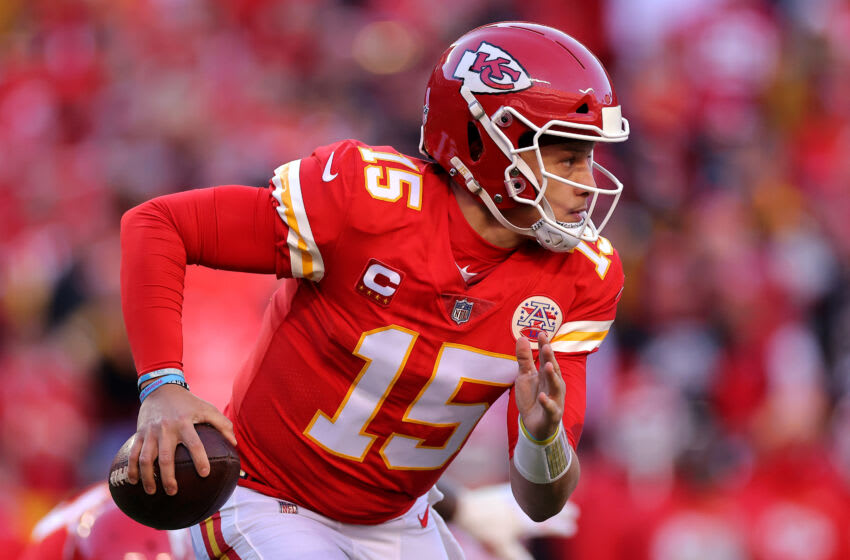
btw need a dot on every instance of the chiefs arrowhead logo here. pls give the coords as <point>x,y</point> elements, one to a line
<point>491,70</point>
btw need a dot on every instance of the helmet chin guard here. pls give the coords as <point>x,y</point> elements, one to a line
<point>555,239</point>
<point>509,80</point>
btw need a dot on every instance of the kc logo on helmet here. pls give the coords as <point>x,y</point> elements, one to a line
<point>491,70</point>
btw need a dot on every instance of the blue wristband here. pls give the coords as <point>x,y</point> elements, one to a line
<point>169,379</point>
<point>157,373</point>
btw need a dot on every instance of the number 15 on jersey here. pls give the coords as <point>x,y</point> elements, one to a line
<point>386,352</point>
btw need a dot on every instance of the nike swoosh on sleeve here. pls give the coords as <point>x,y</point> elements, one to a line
<point>327,176</point>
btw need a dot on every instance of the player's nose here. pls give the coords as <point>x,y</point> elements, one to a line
<point>583,176</point>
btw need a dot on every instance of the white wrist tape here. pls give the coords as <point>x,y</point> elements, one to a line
<point>542,462</point>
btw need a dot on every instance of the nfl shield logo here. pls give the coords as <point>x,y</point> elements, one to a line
<point>462,310</point>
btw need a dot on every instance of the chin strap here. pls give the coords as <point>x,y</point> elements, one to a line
<point>553,239</point>
<point>469,180</point>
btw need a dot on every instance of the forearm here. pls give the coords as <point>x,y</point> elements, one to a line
<point>542,501</point>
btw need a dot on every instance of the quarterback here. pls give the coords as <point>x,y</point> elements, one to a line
<point>425,288</point>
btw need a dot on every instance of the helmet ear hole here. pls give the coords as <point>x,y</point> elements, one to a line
<point>526,139</point>
<point>583,108</point>
<point>476,145</point>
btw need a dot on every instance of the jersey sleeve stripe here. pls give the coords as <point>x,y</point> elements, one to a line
<point>580,336</point>
<point>304,256</point>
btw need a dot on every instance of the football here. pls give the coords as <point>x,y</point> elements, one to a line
<point>197,497</point>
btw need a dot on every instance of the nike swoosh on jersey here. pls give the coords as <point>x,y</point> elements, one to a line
<point>327,176</point>
<point>467,276</point>
<point>423,520</point>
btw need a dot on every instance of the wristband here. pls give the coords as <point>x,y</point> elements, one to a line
<point>157,373</point>
<point>169,379</point>
<point>542,462</point>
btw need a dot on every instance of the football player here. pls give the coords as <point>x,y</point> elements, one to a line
<point>91,527</point>
<point>427,287</point>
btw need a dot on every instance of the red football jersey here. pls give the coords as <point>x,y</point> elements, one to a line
<point>368,379</point>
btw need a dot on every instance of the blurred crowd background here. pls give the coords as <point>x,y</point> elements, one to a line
<point>718,423</point>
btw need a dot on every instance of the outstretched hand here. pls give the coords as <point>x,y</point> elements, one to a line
<point>539,392</point>
<point>168,417</point>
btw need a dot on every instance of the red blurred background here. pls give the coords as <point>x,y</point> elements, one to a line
<point>718,417</point>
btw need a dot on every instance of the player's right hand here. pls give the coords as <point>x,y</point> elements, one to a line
<point>168,417</point>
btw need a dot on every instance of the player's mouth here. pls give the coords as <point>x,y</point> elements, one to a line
<point>574,218</point>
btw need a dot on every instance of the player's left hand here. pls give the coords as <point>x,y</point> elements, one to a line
<point>539,392</point>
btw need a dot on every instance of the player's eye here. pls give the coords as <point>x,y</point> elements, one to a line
<point>577,159</point>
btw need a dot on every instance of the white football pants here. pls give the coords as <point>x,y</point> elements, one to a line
<point>253,526</point>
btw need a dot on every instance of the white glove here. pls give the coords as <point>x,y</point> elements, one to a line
<point>491,515</point>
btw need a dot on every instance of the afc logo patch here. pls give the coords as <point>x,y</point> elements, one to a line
<point>379,282</point>
<point>489,69</point>
<point>535,315</point>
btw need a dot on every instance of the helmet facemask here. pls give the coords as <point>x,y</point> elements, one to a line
<point>551,233</point>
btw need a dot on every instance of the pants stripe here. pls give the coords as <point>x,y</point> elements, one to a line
<point>217,542</point>
<point>209,538</point>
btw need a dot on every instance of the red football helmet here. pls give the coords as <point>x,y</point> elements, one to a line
<point>506,81</point>
<point>91,527</point>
